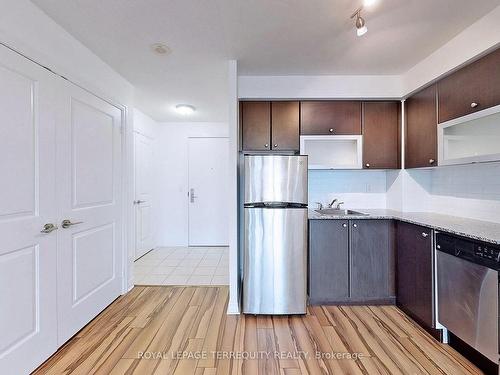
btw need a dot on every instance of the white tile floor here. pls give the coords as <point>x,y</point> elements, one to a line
<point>183,266</point>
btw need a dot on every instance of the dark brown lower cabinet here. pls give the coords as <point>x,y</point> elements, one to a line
<point>372,259</point>
<point>328,261</point>
<point>351,262</point>
<point>414,272</point>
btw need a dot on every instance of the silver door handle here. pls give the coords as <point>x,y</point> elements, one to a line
<point>191,195</point>
<point>139,201</point>
<point>48,228</point>
<point>67,223</point>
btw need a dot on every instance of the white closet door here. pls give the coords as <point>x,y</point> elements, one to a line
<point>89,261</point>
<point>28,331</point>
<point>143,194</point>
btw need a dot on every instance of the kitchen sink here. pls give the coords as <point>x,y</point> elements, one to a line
<point>339,212</point>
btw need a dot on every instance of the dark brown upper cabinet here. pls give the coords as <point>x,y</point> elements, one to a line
<point>330,117</point>
<point>472,88</point>
<point>270,126</point>
<point>421,129</point>
<point>381,135</point>
<point>256,126</point>
<point>285,118</point>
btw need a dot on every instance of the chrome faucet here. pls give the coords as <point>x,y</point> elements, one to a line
<point>337,206</point>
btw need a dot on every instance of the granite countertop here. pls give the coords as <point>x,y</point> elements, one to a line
<point>475,229</point>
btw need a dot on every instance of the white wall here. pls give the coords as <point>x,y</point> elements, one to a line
<point>319,87</point>
<point>28,30</point>
<point>172,177</point>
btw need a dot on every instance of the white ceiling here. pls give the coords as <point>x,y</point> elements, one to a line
<point>267,37</point>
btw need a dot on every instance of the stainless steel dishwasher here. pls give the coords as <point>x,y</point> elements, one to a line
<point>467,288</point>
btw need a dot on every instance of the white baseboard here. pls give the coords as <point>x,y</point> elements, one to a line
<point>233,308</point>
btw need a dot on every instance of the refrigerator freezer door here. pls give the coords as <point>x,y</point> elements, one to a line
<point>275,178</point>
<point>275,261</point>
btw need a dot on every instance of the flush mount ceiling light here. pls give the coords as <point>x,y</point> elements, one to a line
<point>361,28</point>
<point>160,49</point>
<point>369,3</point>
<point>185,109</point>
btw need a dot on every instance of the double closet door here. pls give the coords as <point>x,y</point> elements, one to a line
<point>60,211</point>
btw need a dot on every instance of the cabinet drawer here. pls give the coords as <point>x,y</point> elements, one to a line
<point>330,117</point>
<point>473,88</point>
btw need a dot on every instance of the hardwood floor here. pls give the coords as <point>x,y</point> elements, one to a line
<point>158,330</point>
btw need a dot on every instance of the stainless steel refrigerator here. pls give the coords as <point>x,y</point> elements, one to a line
<point>275,234</point>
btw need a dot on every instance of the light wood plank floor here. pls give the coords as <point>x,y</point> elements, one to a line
<point>158,330</point>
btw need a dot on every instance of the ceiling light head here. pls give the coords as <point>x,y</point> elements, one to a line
<point>369,3</point>
<point>185,109</point>
<point>361,28</point>
<point>160,49</point>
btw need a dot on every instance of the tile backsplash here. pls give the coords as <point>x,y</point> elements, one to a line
<point>471,191</point>
<point>358,189</point>
<point>467,190</point>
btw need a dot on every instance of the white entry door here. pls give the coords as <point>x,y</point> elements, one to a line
<point>143,194</point>
<point>89,258</point>
<point>208,187</point>
<point>28,330</point>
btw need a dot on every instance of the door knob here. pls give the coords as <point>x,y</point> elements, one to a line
<point>48,228</point>
<point>425,235</point>
<point>344,225</point>
<point>275,145</point>
<point>266,145</point>
<point>330,130</point>
<point>355,225</point>
<point>67,223</point>
<point>191,195</point>
<point>431,161</point>
<point>367,165</point>
<point>473,105</point>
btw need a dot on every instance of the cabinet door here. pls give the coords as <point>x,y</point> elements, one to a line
<point>285,126</point>
<point>328,261</point>
<point>414,272</point>
<point>421,129</point>
<point>330,117</point>
<point>381,135</point>
<point>372,259</point>
<point>256,125</point>
<point>470,89</point>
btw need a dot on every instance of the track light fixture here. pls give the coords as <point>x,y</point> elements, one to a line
<point>361,28</point>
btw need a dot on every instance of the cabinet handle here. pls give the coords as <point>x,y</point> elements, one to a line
<point>330,130</point>
<point>473,105</point>
<point>276,145</point>
<point>355,225</point>
<point>344,225</point>
<point>367,165</point>
<point>425,235</point>
<point>431,161</point>
<point>266,145</point>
